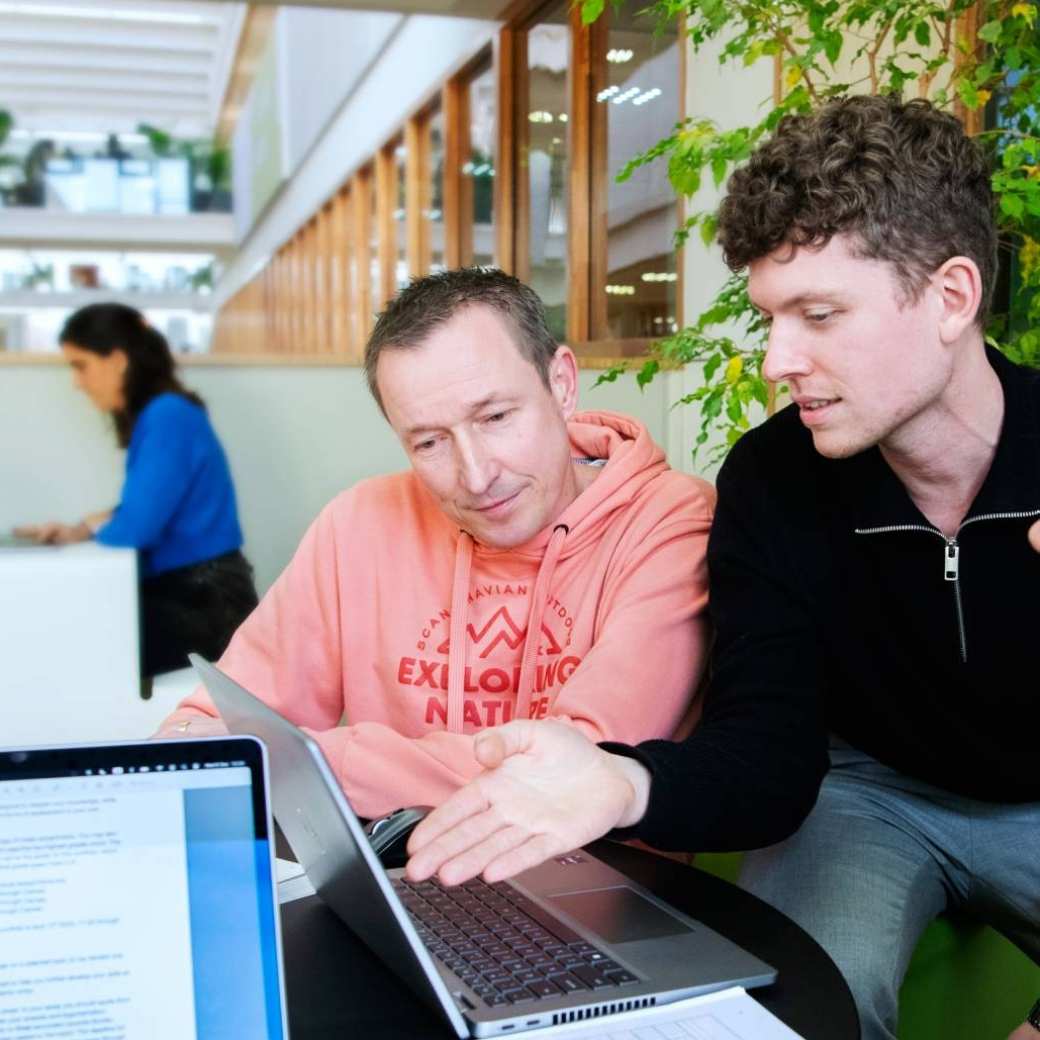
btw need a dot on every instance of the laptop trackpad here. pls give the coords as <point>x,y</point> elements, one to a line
<point>619,914</point>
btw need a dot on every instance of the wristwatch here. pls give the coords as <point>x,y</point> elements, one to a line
<point>1033,1018</point>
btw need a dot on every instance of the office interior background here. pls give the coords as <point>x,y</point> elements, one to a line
<point>260,179</point>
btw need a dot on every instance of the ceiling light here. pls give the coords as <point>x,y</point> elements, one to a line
<point>621,290</point>
<point>648,96</point>
<point>607,92</point>
<point>659,276</point>
<point>622,98</point>
<point>619,55</point>
<point>541,117</point>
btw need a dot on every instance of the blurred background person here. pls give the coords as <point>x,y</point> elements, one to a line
<point>177,506</point>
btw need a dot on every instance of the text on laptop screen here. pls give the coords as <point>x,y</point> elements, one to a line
<point>135,896</point>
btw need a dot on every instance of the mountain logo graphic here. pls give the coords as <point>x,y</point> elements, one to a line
<point>501,628</point>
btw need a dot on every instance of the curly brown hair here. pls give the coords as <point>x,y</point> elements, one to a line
<point>902,178</point>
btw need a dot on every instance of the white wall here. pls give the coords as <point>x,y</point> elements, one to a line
<point>295,436</point>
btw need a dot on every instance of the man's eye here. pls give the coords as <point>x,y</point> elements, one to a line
<point>495,417</point>
<point>818,317</point>
<point>424,445</point>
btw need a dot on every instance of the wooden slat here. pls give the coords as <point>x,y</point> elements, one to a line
<point>282,302</point>
<point>416,195</point>
<point>510,58</point>
<point>457,219</point>
<point>579,180</point>
<point>340,294</point>
<point>324,288</point>
<point>386,246</point>
<point>307,268</point>
<point>361,194</point>
<point>521,177</point>
<point>596,145</point>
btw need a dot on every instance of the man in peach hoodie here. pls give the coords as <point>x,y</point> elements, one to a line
<point>534,563</point>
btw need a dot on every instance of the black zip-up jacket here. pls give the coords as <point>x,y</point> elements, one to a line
<point>839,607</point>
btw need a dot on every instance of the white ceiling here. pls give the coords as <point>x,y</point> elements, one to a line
<point>107,65</point>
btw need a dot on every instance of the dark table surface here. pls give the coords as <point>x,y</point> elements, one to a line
<point>336,988</point>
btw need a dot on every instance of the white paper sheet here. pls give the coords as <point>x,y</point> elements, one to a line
<point>727,1015</point>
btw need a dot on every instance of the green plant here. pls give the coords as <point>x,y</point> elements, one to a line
<point>829,48</point>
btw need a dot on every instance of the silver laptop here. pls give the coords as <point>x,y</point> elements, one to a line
<point>137,893</point>
<point>567,940</point>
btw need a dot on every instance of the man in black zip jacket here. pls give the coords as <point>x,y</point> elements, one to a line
<point>873,714</point>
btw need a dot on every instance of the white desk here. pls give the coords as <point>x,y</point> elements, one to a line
<point>69,648</point>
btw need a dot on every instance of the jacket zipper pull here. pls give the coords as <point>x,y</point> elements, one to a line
<point>951,561</point>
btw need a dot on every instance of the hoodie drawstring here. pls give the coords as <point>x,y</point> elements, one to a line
<point>534,620</point>
<point>457,630</point>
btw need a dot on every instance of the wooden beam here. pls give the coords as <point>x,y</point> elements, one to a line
<point>340,289</point>
<point>416,191</point>
<point>361,190</point>
<point>579,180</point>
<point>510,57</point>
<point>596,141</point>
<point>386,243</point>
<point>457,219</point>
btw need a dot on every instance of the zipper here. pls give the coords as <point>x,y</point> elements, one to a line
<point>952,558</point>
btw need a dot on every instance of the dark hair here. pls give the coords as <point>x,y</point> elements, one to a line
<point>427,303</point>
<point>903,179</point>
<point>150,371</point>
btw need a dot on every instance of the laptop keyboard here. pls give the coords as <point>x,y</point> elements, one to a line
<point>504,946</point>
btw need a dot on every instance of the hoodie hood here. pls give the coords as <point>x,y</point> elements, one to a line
<point>631,459</point>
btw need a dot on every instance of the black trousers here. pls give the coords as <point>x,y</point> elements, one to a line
<point>194,609</point>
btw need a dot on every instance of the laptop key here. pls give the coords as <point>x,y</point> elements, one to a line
<point>622,976</point>
<point>543,988</point>
<point>568,983</point>
<point>519,996</point>
<point>495,1000</point>
<point>592,977</point>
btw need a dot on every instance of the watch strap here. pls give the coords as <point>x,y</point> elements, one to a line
<point>1033,1018</point>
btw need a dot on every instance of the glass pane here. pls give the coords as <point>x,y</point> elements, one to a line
<point>400,228</point>
<point>434,192</point>
<point>479,170</point>
<point>642,104</point>
<point>548,110</point>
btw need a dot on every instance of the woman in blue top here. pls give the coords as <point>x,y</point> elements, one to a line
<point>177,506</point>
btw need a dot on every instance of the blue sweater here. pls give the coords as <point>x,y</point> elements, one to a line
<point>178,503</point>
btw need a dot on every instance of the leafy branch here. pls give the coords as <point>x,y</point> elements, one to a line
<point>825,49</point>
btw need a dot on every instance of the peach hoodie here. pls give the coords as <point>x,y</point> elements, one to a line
<point>396,623</point>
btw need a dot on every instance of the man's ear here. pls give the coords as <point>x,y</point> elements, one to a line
<point>563,380</point>
<point>959,286</point>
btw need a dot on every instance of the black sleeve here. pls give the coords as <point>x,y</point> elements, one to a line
<point>749,773</point>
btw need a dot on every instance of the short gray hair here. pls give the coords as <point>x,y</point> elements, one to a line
<point>428,303</point>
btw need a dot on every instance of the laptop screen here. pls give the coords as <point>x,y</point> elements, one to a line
<point>136,896</point>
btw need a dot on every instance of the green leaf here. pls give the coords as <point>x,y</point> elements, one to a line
<point>610,376</point>
<point>718,170</point>
<point>832,46</point>
<point>708,227</point>
<point>591,10</point>
<point>711,366</point>
<point>967,93</point>
<point>990,32</point>
<point>1012,206</point>
<point>647,372</point>
<point>922,34</point>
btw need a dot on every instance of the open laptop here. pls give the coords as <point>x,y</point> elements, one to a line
<point>567,940</point>
<point>136,892</point>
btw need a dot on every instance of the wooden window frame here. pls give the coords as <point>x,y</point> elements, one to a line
<point>588,178</point>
